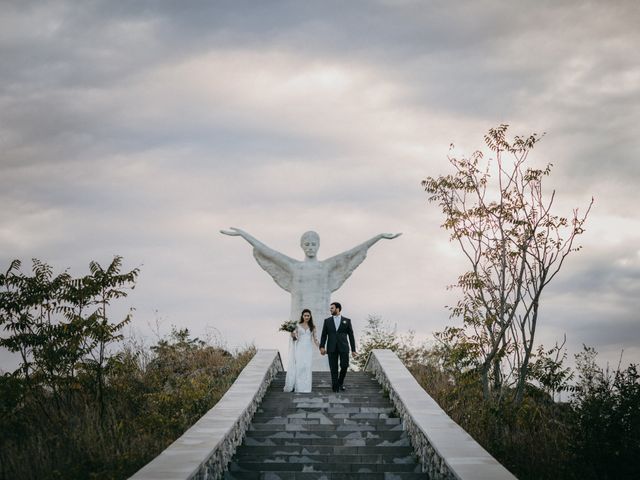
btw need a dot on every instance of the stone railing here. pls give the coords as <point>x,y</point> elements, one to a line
<point>204,450</point>
<point>444,448</point>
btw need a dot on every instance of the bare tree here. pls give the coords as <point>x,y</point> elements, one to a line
<point>515,246</point>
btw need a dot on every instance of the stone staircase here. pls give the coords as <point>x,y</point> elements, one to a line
<point>323,435</point>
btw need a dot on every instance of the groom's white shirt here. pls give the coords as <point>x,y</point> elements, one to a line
<point>336,321</point>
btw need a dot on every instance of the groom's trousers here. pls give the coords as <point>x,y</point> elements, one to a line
<point>337,380</point>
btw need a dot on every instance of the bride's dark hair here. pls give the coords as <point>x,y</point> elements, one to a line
<point>311,325</point>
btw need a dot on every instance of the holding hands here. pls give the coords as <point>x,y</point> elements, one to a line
<point>323,351</point>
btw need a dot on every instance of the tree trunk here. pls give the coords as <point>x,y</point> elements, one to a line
<point>528,347</point>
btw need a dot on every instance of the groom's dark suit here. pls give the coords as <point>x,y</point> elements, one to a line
<point>337,348</point>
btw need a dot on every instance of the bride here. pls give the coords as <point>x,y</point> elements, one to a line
<point>301,345</point>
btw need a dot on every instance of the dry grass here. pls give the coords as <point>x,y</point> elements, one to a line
<point>151,398</point>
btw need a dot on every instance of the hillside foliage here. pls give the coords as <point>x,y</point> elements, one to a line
<point>86,403</point>
<point>593,435</point>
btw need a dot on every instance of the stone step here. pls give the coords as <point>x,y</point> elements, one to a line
<point>304,413</point>
<point>322,459</point>
<point>385,439</point>
<point>351,378</point>
<point>323,467</point>
<point>323,476</point>
<point>294,427</point>
<point>349,390</point>
<point>284,411</point>
<point>311,404</point>
<point>326,397</point>
<point>344,419</point>
<point>348,380</point>
<point>321,380</point>
<point>319,450</point>
<point>352,407</point>
<point>317,374</point>
<point>326,377</point>
<point>299,434</point>
<point>315,402</point>
<point>341,396</point>
<point>329,442</point>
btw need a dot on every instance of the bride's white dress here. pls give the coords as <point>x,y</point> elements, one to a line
<point>298,377</point>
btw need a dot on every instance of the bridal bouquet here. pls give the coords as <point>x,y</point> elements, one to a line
<point>288,326</point>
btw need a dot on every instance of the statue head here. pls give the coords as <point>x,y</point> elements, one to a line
<point>310,243</point>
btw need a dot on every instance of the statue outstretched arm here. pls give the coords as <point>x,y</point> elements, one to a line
<point>236,232</point>
<point>369,243</point>
<point>341,266</point>
<point>362,248</point>
<point>276,264</point>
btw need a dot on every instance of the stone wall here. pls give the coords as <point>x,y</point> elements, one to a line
<point>445,450</point>
<point>204,450</point>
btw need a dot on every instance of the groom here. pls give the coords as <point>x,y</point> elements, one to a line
<point>335,331</point>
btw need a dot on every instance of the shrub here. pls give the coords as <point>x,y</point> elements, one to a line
<point>81,405</point>
<point>606,420</point>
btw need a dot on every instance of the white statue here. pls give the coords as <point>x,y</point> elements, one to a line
<point>310,281</point>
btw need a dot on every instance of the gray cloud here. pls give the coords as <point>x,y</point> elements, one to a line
<point>141,128</point>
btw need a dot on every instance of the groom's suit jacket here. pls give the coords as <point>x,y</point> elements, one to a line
<point>337,341</point>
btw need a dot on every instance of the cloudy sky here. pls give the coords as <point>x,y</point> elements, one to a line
<point>143,128</point>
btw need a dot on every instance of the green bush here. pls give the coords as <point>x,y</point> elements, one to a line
<point>146,409</point>
<point>595,435</point>
<point>80,408</point>
<point>379,335</point>
<point>606,420</point>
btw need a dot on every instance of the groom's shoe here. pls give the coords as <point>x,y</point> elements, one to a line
<point>341,388</point>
